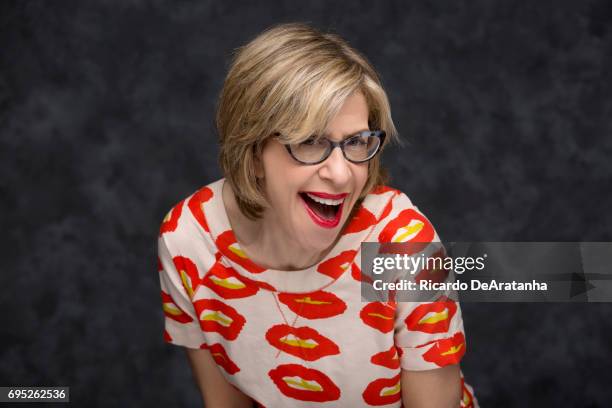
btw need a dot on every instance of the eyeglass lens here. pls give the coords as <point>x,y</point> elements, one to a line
<point>357,148</point>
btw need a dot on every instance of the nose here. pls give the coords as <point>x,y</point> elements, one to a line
<point>336,168</point>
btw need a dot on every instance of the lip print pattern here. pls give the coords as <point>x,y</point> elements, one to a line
<point>379,316</point>
<point>432,317</point>
<point>467,399</point>
<point>167,337</point>
<point>334,267</point>
<point>189,274</point>
<point>384,189</point>
<point>303,342</point>
<point>356,272</point>
<point>315,305</point>
<point>433,274</point>
<point>227,244</point>
<point>216,316</point>
<point>386,211</point>
<point>358,276</point>
<point>383,391</point>
<point>227,283</point>
<point>447,351</point>
<point>362,219</point>
<point>172,310</point>
<point>389,358</point>
<point>196,205</point>
<point>304,384</point>
<point>218,353</point>
<point>170,221</point>
<point>409,225</point>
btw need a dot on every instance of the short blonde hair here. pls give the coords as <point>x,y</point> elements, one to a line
<point>292,80</point>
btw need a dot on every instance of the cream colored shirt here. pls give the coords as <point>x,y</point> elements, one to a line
<point>301,338</point>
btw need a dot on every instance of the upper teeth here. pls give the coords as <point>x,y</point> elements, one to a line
<point>326,201</point>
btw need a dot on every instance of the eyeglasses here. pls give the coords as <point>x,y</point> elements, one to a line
<point>358,148</point>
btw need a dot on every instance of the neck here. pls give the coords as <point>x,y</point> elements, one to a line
<point>277,253</point>
<point>264,241</point>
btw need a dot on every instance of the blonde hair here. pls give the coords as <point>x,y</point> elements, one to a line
<point>292,80</point>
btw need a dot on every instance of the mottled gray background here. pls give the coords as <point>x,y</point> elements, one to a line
<point>106,115</point>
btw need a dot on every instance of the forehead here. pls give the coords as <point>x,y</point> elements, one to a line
<point>352,117</point>
<point>354,105</point>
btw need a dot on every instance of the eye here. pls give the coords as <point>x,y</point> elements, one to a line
<point>357,141</point>
<point>311,141</point>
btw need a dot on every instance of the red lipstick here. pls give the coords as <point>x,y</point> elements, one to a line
<point>326,195</point>
<point>320,221</point>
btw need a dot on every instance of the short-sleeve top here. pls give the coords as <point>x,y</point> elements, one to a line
<point>301,338</point>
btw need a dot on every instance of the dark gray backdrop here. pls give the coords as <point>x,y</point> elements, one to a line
<point>106,113</point>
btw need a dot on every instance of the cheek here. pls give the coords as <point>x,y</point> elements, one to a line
<point>275,165</point>
<point>283,178</point>
<point>361,175</point>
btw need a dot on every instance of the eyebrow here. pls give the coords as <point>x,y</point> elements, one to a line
<point>351,134</point>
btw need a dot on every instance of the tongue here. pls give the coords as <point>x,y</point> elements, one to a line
<point>324,211</point>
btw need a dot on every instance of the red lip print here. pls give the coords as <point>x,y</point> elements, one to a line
<point>216,316</point>
<point>189,274</point>
<point>467,399</point>
<point>159,265</point>
<point>315,305</point>
<point>227,244</point>
<point>447,351</point>
<point>389,358</point>
<point>360,277</point>
<point>386,210</point>
<point>196,205</point>
<point>227,283</point>
<point>379,316</point>
<point>304,384</point>
<point>172,310</point>
<point>383,190</point>
<point>170,222</point>
<point>383,391</point>
<point>356,272</point>
<point>220,356</point>
<point>432,317</point>
<point>361,221</point>
<point>167,337</point>
<point>433,274</point>
<point>334,267</point>
<point>303,342</point>
<point>409,225</point>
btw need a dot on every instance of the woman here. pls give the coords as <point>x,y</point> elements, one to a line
<point>260,270</point>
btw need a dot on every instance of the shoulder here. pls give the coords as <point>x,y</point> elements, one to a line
<point>399,220</point>
<point>384,201</point>
<point>375,208</point>
<point>189,217</point>
<point>383,195</point>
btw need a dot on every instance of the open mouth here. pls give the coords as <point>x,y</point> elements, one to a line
<point>324,211</point>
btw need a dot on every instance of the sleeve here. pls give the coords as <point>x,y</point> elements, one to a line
<point>427,335</point>
<point>180,319</point>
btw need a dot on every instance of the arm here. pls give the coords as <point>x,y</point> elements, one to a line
<point>216,391</point>
<point>437,388</point>
<point>182,326</point>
